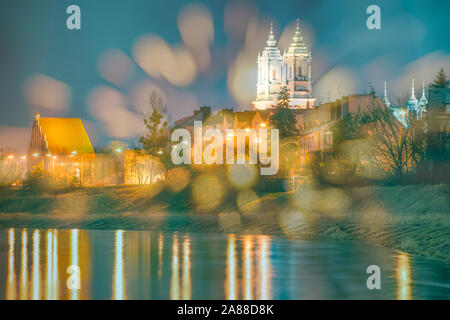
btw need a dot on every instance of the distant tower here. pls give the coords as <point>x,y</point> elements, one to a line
<point>292,70</point>
<point>412,104</point>
<point>298,72</point>
<point>270,65</point>
<point>423,101</point>
<point>386,100</point>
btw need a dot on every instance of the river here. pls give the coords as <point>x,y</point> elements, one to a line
<point>93,264</point>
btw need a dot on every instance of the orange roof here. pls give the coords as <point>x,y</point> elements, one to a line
<point>65,135</point>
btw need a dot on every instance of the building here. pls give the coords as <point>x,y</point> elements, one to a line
<point>437,126</point>
<point>61,147</point>
<point>292,69</point>
<point>413,108</point>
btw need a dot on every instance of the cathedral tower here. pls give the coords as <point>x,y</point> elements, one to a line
<point>292,70</point>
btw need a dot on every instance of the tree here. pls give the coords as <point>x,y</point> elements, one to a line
<point>441,80</point>
<point>284,98</point>
<point>158,130</point>
<point>284,118</point>
<point>155,142</point>
<point>393,146</point>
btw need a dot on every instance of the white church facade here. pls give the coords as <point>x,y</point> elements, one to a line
<point>292,69</point>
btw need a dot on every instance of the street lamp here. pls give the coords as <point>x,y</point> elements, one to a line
<point>10,157</point>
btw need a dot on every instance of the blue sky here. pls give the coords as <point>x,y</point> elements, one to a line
<point>34,40</point>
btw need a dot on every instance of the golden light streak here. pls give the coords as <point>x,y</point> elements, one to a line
<point>248,268</point>
<point>119,276</point>
<point>231,285</point>
<point>403,275</point>
<point>23,268</point>
<point>11,284</point>
<point>49,264</point>
<point>186,269</point>
<point>36,281</point>
<point>74,236</point>
<point>264,268</point>
<point>55,280</point>
<point>174,281</point>
<point>160,254</point>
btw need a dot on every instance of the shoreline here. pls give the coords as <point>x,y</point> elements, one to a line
<point>412,219</point>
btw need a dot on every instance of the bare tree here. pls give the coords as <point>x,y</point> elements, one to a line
<point>394,147</point>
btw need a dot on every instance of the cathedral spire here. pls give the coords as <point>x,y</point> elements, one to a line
<point>412,102</point>
<point>386,100</point>
<point>413,97</point>
<point>297,47</point>
<point>423,100</point>
<point>271,42</point>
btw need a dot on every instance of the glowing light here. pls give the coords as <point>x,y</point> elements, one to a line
<point>174,280</point>
<point>186,277</point>
<point>35,154</point>
<point>55,280</point>
<point>403,275</point>
<point>49,155</point>
<point>264,268</point>
<point>262,125</point>
<point>11,284</point>
<point>118,150</point>
<point>23,268</point>
<point>242,176</point>
<point>207,191</point>
<point>119,276</point>
<point>160,152</point>
<point>74,293</point>
<point>46,92</point>
<point>231,286</point>
<point>54,157</point>
<point>10,156</point>
<point>49,264</point>
<point>74,152</point>
<point>23,157</point>
<point>248,268</point>
<point>160,254</point>
<point>36,281</point>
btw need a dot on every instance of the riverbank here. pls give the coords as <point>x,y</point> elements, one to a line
<point>414,219</point>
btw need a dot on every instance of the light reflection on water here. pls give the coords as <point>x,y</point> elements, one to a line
<point>150,265</point>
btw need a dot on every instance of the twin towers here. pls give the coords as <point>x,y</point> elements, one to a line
<point>291,69</point>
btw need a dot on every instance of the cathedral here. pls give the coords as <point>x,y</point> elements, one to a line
<point>414,107</point>
<point>292,69</point>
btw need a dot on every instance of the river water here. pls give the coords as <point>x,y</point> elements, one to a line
<point>92,264</point>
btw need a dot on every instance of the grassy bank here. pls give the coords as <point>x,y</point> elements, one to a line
<point>414,219</point>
